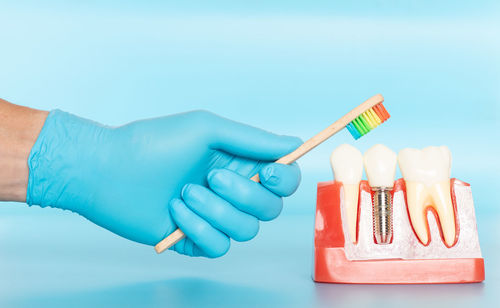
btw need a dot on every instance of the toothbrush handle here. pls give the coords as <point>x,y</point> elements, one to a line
<point>307,146</point>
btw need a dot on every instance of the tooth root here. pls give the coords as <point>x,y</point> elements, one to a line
<point>441,196</point>
<point>351,192</point>
<point>417,197</point>
<point>437,196</point>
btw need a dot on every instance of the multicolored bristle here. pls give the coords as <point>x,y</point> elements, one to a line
<point>368,120</point>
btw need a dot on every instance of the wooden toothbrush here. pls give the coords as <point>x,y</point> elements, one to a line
<point>358,121</point>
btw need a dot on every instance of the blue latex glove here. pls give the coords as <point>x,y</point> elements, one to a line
<point>144,179</point>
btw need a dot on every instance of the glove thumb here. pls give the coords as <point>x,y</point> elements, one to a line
<point>251,142</point>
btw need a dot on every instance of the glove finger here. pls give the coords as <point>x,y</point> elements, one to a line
<point>219,213</point>
<point>282,180</point>
<point>188,248</point>
<point>213,242</point>
<point>245,194</point>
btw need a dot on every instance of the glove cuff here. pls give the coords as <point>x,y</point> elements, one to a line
<point>53,158</point>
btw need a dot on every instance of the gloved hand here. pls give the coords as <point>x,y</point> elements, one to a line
<point>144,179</point>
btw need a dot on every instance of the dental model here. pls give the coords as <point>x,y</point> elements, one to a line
<point>427,176</point>
<point>347,166</point>
<point>434,232</point>
<point>380,166</point>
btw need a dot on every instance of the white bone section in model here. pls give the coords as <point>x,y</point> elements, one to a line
<point>405,244</point>
<point>427,176</point>
<point>347,166</point>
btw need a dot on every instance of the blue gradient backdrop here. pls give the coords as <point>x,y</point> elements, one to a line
<point>291,67</point>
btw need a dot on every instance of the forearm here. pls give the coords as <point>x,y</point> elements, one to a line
<point>19,129</point>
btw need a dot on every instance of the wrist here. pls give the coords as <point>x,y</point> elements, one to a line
<point>19,129</point>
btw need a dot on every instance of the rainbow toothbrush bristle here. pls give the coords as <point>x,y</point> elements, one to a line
<point>368,120</point>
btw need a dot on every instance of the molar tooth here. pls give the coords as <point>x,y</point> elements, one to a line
<point>427,176</point>
<point>347,166</point>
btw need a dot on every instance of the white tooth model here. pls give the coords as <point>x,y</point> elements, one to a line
<point>427,176</point>
<point>347,166</point>
<point>380,166</point>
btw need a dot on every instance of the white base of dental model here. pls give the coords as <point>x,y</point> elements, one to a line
<point>405,244</point>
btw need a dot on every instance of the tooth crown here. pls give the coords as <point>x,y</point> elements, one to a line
<point>429,165</point>
<point>347,164</point>
<point>380,166</point>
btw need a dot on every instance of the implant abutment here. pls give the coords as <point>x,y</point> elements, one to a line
<point>382,214</point>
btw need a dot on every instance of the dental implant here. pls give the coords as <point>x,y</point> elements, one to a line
<point>382,214</point>
<point>380,166</point>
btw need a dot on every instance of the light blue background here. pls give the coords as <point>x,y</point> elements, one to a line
<point>287,66</point>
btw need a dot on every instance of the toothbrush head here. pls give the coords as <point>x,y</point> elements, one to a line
<point>368,120</point>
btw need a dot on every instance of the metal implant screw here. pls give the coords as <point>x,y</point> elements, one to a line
<point>382,214</point>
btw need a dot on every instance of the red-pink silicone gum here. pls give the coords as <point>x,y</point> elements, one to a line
<point>331,264</point>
